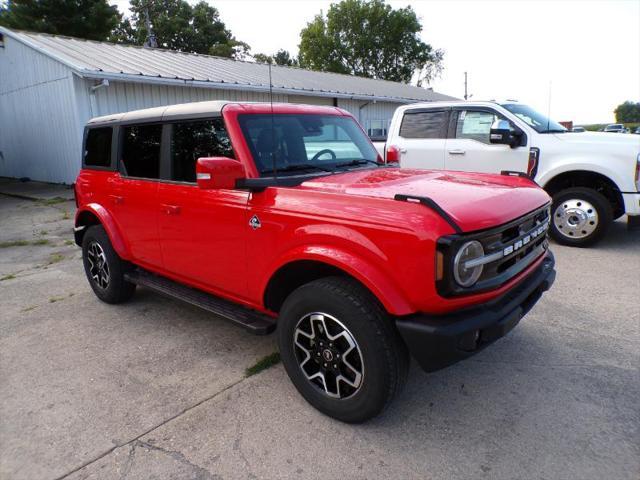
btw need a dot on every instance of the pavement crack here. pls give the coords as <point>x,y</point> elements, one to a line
<point>202,473</point>
<point>147,432</point>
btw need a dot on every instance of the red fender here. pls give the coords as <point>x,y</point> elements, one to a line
<point>365,272</point>
<point>110,226</point>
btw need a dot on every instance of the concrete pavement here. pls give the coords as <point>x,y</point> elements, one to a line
<point>156,389</point>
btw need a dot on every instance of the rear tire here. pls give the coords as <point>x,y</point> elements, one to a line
<point>580,216</point>
<point>104,268</point>
<point>335,331</point>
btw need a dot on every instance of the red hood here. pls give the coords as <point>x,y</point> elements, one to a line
<point>474,200</point>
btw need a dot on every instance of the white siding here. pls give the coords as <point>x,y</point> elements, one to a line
<point>44,107</point>
<point>38,118</point>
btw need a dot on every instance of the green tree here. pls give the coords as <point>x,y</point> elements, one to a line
<point>177,25</point>
<point>628,112</point>
<point>90,19</point>
<point>368,38</point>
<point>281,57</point>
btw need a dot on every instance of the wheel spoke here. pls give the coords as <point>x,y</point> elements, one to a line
<point>329,356</point>
<point>97,265</point>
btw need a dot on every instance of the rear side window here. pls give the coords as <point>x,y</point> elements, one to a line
<point>141,151</point>
<point>97,148</point>
<point>431,124</point>
<point>193,140</point>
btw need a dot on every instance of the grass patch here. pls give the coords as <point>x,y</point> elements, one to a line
<point>69,242</point>
<point>28,309</point>
<point>11,276</point>
<point>14,243</point>
<point>55,299</point>
<point>66,215</point>
<point>53,201</point>
<point>55,258</point>
<point>43,232</point>
<point>263,364</point>
<point>24,243</point>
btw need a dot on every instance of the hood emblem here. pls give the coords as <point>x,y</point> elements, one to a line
<point>255,222</point>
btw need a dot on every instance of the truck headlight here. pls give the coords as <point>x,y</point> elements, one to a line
<point>463,275</point>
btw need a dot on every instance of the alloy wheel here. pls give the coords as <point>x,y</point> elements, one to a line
<point>98,266</point>
<point>328,355</point>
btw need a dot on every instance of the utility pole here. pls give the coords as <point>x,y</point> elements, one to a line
<point>151,41</point>
<point>465,86</point>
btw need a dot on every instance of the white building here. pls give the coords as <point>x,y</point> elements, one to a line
<point>51,85</point>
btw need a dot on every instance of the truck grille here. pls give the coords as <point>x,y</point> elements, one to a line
<point>508,250</point>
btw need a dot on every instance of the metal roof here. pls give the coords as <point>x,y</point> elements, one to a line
<point>92,59</point>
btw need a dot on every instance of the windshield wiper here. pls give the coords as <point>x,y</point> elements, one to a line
<point>361,161</point>
<point>297,167</point>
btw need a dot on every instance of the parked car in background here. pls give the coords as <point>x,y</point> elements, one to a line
<point>637,131</point>
<point>616,128</point>
<point>578,129</point>
<point>593,178</point>
<point>268,214</point>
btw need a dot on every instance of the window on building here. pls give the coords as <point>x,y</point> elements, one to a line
<point>426,124</point>
<point>141,151</point>
<point>475,125</point>
<point>97,149</point>
<point>193,140</point>
<point>377,129</point>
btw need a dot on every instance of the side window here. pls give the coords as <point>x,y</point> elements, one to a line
<point>193,140</point>
<point>430,124</point>
<point>475,125</point>
<point>141,151</point>
<point>97,148</point>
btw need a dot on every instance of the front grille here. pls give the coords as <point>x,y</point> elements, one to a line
<point>509,249</point>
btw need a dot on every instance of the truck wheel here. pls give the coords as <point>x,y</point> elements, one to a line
<point>341,350</point>
<point>581,216</point>
<point>104,268</point>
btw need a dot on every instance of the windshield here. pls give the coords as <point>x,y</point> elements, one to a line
<point>299,142</point>
<point>535,120</point>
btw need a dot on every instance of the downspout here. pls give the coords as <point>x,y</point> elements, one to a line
<point>93,105</point>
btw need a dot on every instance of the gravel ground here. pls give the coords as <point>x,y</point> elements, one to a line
<point>157,389</point>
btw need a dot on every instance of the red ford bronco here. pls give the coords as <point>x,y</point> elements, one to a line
<point>284,215</point>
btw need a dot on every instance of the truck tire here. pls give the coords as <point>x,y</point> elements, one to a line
<point>104,268</point>
<point>580,216</point>
<point>341,350</point>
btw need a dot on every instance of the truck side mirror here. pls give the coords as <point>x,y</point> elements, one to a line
<point>218,172</point>
<point>503,133</point>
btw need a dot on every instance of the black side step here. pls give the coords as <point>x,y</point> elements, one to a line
<point>251,320</point>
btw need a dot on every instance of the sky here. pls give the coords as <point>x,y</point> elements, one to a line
<point>574,59</point>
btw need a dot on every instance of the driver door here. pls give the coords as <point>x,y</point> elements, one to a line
<point>469,149</point>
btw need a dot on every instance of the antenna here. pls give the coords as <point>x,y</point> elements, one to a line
<point>273,134</point>
<point>465,86</point>
<point>549,108</point>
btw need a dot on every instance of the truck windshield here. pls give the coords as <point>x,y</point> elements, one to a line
<point>534,119</point>
<point>299,142</point>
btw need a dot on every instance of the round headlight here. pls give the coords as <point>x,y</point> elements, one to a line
<point>469,251</point>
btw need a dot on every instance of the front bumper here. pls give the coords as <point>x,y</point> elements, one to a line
<point>437,341</point>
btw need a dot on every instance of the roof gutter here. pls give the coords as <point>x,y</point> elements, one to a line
<point>128,77</point>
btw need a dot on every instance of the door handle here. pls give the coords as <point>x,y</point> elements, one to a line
<point>117,199</point>
<point>457,152</point>
<point>171,209</point>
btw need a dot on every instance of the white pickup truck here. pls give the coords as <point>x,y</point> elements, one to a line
<point>592,177</point>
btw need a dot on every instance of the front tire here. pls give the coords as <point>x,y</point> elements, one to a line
<point>104,268</point>
<point>580,217</point>
<point>340,349</point>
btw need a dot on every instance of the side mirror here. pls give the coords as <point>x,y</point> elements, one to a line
<point>501,133</point>
<point>218,172</point>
